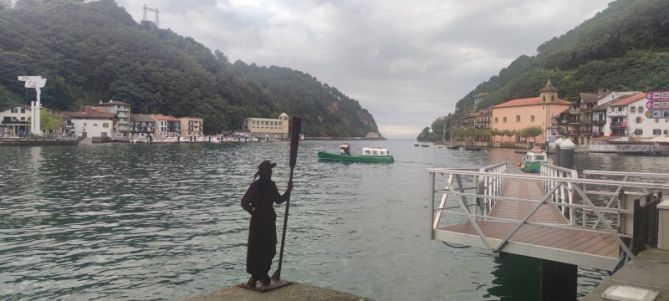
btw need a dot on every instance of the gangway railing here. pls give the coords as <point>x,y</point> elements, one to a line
<point>565,193</point>
<point>489,185</point>
<point>623,197</point>
<point>464,188</point>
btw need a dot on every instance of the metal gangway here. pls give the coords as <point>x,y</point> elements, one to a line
<point>628,148</point>
<point>556,215</point>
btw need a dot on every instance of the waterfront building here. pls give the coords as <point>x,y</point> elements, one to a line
<point>15,121</point>
<point>191,126</point>
<point>166,126</point>
<point>267,127</point>
<point>577,122</point>
<point>518,114</point>
<point>599,111</point>
<point>479,122</point>
<point>122,111</point>
<point>142,125</point>
<point>90,123</point>
<point>629,116</point>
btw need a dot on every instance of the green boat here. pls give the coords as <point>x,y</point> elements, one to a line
<point>533,159</point>
<point>369,155</point>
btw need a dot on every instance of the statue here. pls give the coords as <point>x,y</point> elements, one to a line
<point>259,201</point>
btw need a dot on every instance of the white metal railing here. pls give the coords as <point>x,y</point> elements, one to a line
<point>491,185</point>
<point>644,148</point>
<point>621,197</point>
<point>565,193</point>
<point>465,187</point>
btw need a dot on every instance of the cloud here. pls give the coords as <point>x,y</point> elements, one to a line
<point>406,62</point>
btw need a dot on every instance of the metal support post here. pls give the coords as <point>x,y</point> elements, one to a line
<point>558,281</point>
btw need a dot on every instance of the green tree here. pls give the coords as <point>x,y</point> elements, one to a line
<point>534,132</point>
<point>50,122</point>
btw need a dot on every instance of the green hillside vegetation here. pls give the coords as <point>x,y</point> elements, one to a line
<point>624,47</point>
<point>96,51</point>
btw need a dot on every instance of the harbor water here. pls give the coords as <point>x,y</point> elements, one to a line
<point>164,222</point>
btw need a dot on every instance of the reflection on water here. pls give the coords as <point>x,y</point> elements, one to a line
<point>153,222</point>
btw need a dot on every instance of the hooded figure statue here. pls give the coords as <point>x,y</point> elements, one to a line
<point>259,201</point>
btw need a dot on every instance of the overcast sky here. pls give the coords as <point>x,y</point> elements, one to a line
<point>407,62</point>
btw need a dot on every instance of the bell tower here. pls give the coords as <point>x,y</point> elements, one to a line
<point>548,93</point>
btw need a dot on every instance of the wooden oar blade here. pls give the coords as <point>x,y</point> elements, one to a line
<point>295,128</point>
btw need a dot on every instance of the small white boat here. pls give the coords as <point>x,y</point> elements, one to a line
<point>533,159</point>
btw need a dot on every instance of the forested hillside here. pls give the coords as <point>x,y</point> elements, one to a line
<point>624,47</point>
<point>96,51</point>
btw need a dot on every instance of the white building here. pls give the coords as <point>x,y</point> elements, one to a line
<point>600,123</point>
<point>268,127</point>
<point>90,124</point>
<point>15,121</point>
<point>630,116</point>
<point>122,111</point>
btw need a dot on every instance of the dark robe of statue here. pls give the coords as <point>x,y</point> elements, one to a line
<point>259,201</point>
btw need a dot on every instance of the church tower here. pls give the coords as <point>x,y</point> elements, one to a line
<point>548,93</point>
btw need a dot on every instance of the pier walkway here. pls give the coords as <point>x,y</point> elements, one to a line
<point>554,216</point>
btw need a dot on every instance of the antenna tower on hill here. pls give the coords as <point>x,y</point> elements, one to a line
<point>156,14</point>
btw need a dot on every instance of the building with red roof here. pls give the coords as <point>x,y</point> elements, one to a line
<point>518,114</point>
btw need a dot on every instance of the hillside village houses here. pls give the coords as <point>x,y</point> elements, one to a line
<point>111,120</point>
<point>613,116</point>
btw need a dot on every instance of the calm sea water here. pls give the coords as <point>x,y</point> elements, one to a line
<point>163,222</point>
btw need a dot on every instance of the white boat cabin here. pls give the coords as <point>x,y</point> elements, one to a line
<point>536,157</point>
<point>375,151</point>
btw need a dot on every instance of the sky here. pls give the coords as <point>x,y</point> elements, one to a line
<point>407,62</point>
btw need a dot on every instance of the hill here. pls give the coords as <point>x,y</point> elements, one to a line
<point>624,47</point>
<point>96,51</point>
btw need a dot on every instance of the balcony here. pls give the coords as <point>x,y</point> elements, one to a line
<point>599,122</point>
<point>616,113</point>
<point>619,125</point>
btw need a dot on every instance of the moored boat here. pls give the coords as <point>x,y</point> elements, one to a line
<point>453,147</point>
<point>533,159</point>
<point>369,155</point>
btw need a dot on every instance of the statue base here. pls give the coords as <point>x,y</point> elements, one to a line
<point>262,289</point>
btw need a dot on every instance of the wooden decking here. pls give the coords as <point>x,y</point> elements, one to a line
<point>553,241</point>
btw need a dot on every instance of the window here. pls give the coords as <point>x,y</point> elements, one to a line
<point>504,119</point>
<point>532,118</point>
<point>23,119</point>
<point>95,124</point>
<point>638,132</point>
<point>496,119</point>
<point>517,118</point>
<point>15,110</point>
<point>657,132</point>
<point>23,110</point>
<point>640,109</point>
<point>666,132</point>
<point>638,120</point>
<point>105,125</point>
<point>632,109</point>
